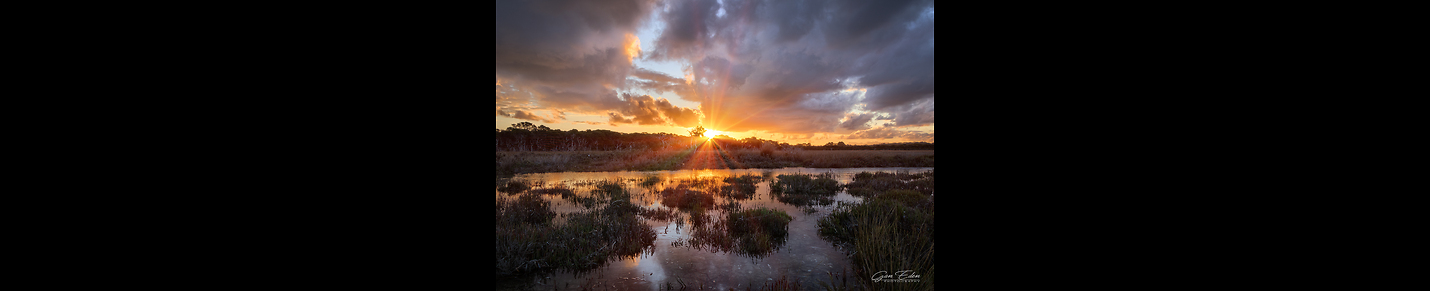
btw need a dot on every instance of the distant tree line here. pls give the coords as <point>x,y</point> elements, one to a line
<point>526,136</point>
<point>529,137</point>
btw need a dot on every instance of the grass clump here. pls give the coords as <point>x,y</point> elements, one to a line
<point>783,284</point>
<point>685,198</point>
<point>650,181</point>
<point>866,184</point>
<point>741,187</point>
<point>752,232</point>
<point>528,241</point>
<point>805,189</point>
<point>603,191</point>
<point>610,190</point>
<point>744,179</point>
<point>527,208</point>
<point>893,230</point>
<point>514,186</point>
<point>905,197</point>
<point>562,191</point>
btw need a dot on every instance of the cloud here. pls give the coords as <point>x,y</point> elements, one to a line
<point>568,54</point>
<point>877,133</point>
<point>686,33</point>
<point>918,113</point>
<point>793,67</point>
<point>519,114</point>
<point>785,66</point>
<point>658,83</point>
<point>647,110</point>
<point>616,118</point>
<point>890,133</point>
<point>683,117</point>
<point>857,121</point>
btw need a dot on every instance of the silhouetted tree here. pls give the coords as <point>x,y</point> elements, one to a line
<point>698,131</point>
<point>527,126</point>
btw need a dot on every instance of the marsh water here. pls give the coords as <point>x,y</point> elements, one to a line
<point>804,257</point>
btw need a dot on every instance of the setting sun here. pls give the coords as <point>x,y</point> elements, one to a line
<point>709,133</point>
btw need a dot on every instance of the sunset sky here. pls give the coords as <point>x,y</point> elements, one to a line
<point>795,71</point>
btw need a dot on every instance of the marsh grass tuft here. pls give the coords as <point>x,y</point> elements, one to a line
<point>514,186</point>
<point>805,189</point>
<point>558,190</point>
<point>683,197</point>
<point>893,230</point>
<point>650,181</point>
<point>783,284</point>
<point>753,232</point>
<point>866,184</point>
<point>528,241</point>
<point>740,187</point>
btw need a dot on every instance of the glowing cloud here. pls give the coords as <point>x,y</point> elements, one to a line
<point>633,47</point>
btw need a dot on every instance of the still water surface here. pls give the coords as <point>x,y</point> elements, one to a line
<point>804,258</point>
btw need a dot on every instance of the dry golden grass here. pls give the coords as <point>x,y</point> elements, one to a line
<point>510,163</point>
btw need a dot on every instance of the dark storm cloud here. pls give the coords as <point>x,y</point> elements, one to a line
<point>716,68</point>
<point>857,121</point>
<point>766,60</point>
<point>904,79</point>
<point>798,18</point>
<point>658,83</point>
<point>914,114</point>
<point>569,53</point>
<point>854,20</point>
<point>648,74</point>
<point>688,24</point>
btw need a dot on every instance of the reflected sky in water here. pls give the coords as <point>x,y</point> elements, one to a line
<point>804,257</point>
